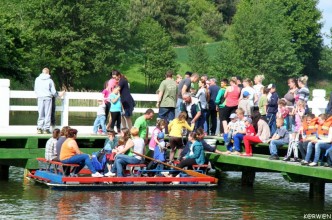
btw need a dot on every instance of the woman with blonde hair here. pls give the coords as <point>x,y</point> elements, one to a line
<point>303,93</point>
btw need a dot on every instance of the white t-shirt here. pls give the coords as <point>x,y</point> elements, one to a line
<point>138,147</point>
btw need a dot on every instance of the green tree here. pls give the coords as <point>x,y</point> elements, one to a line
<point>258,43</point>
<point>302,18</point>
<point>78,38</point>
<point>156,52</point>
<point>227,8</point>
<point>13,44</point>
<point>325,63</point>
<point>199,60</point>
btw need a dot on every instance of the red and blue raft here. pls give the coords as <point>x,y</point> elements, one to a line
<point>57,175</point>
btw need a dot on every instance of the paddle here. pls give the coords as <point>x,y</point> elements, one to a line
<point>189,172</point>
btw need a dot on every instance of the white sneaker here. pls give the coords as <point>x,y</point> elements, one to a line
<point>109,174</point>
<point>96,174</point>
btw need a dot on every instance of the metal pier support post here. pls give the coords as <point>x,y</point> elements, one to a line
<point>248,177</point>
<point>4,172</point>
<point>317,190</point>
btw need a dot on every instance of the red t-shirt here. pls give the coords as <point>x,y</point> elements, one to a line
<point>250,130</point>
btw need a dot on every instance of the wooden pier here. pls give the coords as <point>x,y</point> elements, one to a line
<point>22,151</point>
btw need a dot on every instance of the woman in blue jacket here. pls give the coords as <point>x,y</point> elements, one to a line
<point>195,154</point>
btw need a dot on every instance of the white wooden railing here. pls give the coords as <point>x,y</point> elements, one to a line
<point>317,105</point>
<point>6,94</point>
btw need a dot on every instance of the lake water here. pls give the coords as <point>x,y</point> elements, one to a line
<point>270,198</point>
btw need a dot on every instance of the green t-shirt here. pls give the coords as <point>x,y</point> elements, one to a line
<point>261,103</point>
<point>141,123</point>
<point>169,89</point>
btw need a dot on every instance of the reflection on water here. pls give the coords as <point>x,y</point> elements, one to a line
<point>271,198</point>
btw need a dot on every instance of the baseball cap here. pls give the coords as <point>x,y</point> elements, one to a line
<point>270,86</point>
<point>233,115</point>
<point>246,94</point>
<point>248,120</point>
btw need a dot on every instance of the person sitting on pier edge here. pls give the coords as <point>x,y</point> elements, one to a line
<point>238,133</point>
<point>175,129</point>
<point>61,139</point>
<point>194,156</point>
<point>308,131</point>
<point>192,107</point>
<point>126,155</point>
<point>71,154</point>
<point>231,127</point>
<point>200,137</point>
<point>279,138</point>
<point>262,136</point>
<point>250,130</point>
<point>50,148</point>
<point>322,141</point>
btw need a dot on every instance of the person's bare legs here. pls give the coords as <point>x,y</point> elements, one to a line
<point>126,122</point>
<point>179,151</point>
<point>171,155</point>
<point>224,124</point>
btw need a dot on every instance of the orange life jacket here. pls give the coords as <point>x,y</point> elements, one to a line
<point>324,128</point>
<point>310,128</point>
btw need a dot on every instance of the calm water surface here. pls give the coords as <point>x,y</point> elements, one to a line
<point>271,198</point>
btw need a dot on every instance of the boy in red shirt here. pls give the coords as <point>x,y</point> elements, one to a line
<point>250,130</point>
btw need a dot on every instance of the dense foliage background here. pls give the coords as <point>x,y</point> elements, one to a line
<point>82,41</point>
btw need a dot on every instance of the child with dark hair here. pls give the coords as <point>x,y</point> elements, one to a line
<point>50,148</point>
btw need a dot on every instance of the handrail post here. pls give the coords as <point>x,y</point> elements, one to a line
<point>65,110</point>
<point>5,101</point>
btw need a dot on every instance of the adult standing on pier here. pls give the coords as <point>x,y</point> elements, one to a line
<point>127,100</point>
<point>167,98</point>
<point>45,91</point>
<point>184,87</point>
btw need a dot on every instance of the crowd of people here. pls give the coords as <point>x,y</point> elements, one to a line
<point>248,112</point>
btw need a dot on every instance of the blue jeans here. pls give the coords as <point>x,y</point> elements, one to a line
<point>271,118</point>
<point>82,160</point>
<point>121,161</point>
<point>178,106</point>
<point>237,141</point>
<point>227,140</point>
<point>100,120</point>
<point>274,144</point>
<point>204,120</point>
<point>317,146</point>
<point>166,113</point>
